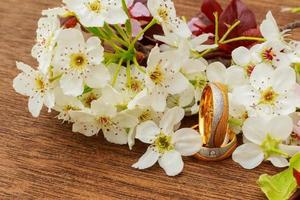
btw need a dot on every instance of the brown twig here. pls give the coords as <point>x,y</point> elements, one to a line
<point>291,26</point>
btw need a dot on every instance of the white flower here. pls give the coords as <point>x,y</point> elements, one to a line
<point>270,31</point>
<point>270,92</point>
<point>271,53</point>
<point>64,104</point>
<point>245,58</point>
<point>238,114</point>
<point>231,77</point>
<point>167,146</point>
<point>126,89</point>
<point>164,11</point>
<point>80,62</point>
<point>36,86</point>
<point>162,79</point>
<point>47,31</point>
<point>115,126</point>
<point>266,139</point>
<point>143,114</point>
<point>94,13</point>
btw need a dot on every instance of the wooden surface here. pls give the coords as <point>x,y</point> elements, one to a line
<point>42,159</point>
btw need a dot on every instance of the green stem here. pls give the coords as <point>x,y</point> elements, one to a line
<point>117,72</point>
<point>153,22</point>
<point>137,65</point>
<point>122,33</point>
<point>243,38</point>
<point>113,36</point>
<point>55,78</point>
<point>230,29</point>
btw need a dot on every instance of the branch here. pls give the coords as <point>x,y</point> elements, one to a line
<point>291,26</point>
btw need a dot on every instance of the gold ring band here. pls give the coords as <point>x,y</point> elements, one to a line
<point>218,153</point>
<point>213,114</point>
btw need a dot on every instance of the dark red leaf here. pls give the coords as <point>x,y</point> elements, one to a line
<point>209,7</point>
<point>296,174</point>
<point>235,11</point>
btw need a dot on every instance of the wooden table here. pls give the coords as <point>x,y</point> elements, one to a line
<point>42,158</point>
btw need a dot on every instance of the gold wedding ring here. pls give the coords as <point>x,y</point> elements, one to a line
<point>218,153</point>
<point>218,140</point>
<point>213,114</point>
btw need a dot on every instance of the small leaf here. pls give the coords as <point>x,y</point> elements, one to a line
<point>209,7</point>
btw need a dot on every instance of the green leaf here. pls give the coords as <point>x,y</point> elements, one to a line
<point>283,185</point>
<point>278,187</point>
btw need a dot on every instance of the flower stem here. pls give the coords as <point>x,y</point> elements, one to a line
<point>216,27</point>
<point>122,33</point>
<point>137,65</point>
<point>230,29</point>
<point>153,22</point>
<point>243,38</point>
<point>117,72</point>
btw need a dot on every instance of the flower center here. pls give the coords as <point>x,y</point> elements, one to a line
<point>95,6</point>
<point>78,61</point>
<point>146,115</point>
<point>157,75</point>
<point>249,69</point>
<point>163,14</point>
<point>89,99</point>
<point>268,55</point>
<point>268,96</point>
<point>136,85</point>
<point>40,84</point>
<point>105,121</point>
<point>70,107</point>
<point>270,147</point>
<point>163,143</point>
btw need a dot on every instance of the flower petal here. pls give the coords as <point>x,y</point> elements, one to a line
<point>87,129</point>
<point>115,134</point>
<point>172,117</point>
<point>171,162</point>
<point>187,141</point>
<point>283,79</point>
<point>278,161</point>
<point>103,109</point>
<point>281,127</point>
<point>94,50</point>
<point>147,132</point>
<point>147,160</point>
<point>35,104</point>
<point>241,56</point>
<point>248,155</point>
<point>291,150</point>
<point>216,72</point>
<point>98,77</point>
<point>261,76</point>
<point>71,85</point>
<point>255,129</point>
<point>177,83</point>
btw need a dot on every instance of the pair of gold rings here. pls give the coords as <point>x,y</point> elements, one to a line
<point>218,140</point>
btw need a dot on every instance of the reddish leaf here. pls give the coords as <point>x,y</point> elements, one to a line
<point>209,7</point>
<point>296,174</point>
<point>237,10</point>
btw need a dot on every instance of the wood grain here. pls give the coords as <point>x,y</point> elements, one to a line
<point>42,159</point>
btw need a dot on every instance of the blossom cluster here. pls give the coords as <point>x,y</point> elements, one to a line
<point>92,71</point>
